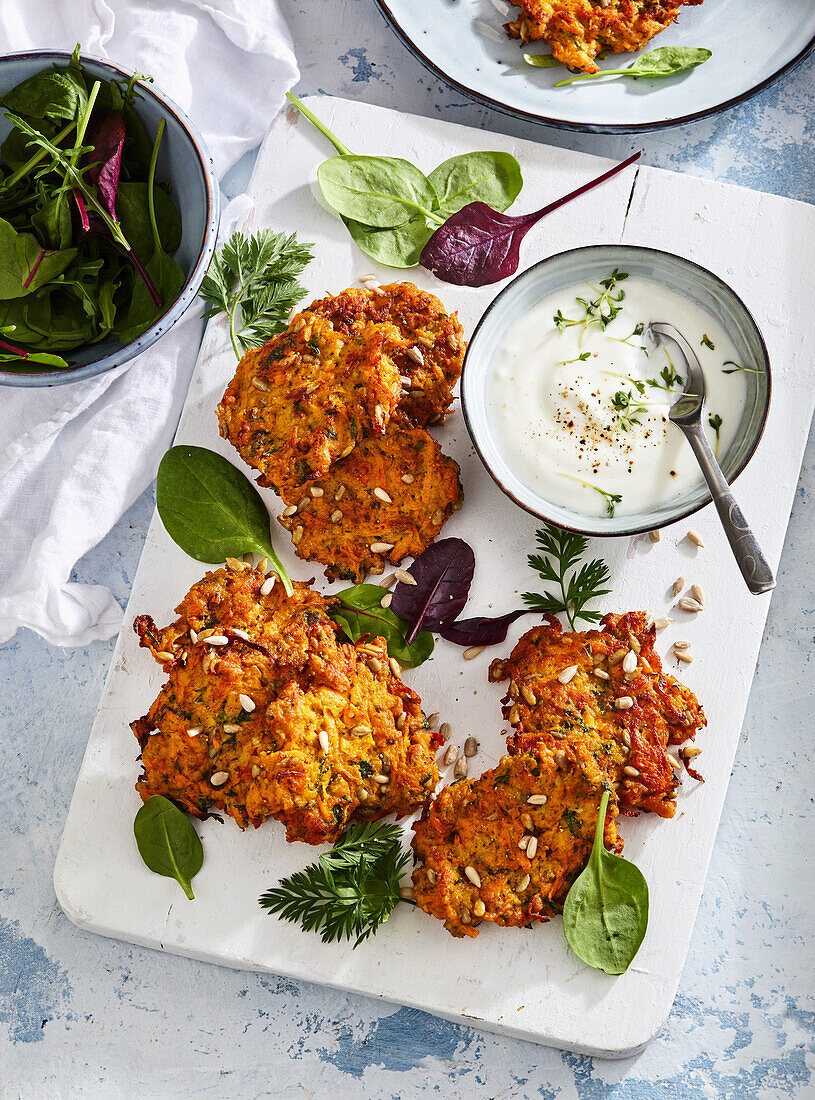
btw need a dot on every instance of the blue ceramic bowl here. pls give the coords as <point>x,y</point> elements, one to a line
<point>588,265</point>
<point>183,159</point>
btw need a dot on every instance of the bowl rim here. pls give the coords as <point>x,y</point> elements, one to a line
<point>636,528</point>
<point>124,356</point>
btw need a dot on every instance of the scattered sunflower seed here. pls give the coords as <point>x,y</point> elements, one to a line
<point>689,604</point>
<point>386,600</point>
<point>625,702</point>
<point>267,585</point>
<point>697,593</point>
<point>217,779</point>
<point>695,538</point>
<point>460,770</point>
<point>537,800</point>
<point>532,847</point>
<point>630,661</point>
<point>324,742</point>
<point>470,747</point>
<point>567,674</point>
<point>381,547</point>
<point>404,577</point>
<point>450,756</point>
<point>677,586</point>
<point>247,703</point>
<point>654,536</point>
<point>472,652</point>
<point>473,876</point>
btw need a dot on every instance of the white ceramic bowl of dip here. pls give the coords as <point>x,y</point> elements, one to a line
<point>590,265</point>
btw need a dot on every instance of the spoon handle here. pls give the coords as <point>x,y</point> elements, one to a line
<point>749,558</point>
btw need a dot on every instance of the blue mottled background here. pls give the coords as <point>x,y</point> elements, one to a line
<point>85,1016</point>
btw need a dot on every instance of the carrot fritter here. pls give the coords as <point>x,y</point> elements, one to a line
<point>388,499</point>
<point>468,841</point>
<point>432,349</point>
<point>265,714</point>
<point>578,30</point>
<point>629,743</point>
<point>308,396</point>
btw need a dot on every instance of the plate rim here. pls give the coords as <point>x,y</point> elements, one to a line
<point>588,127</point>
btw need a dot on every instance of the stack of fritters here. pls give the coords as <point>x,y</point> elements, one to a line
<point>578,30</point>
<point>336,407</point>
<point>265,714</point>
<point>591,711</point>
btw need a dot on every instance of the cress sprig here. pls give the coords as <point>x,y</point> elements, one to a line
<point>561,552</point>
<point>253,280</point>
<point>350,891</point>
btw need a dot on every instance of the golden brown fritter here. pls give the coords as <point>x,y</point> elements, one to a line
<point>265,714</point>
<point>433,347</point>
<point>472,867</point>
<point>578,30</point>
<point>308,396</point>
<point>388,499</point>
<point>629,745</point>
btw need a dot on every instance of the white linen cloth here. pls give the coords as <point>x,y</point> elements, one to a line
<point>74,458</point>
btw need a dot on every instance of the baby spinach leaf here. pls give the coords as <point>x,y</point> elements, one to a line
<point>664,61</point>
<point>443,575</point>
<point>399,246</point>
<point>606,911</point>
<point>168,842</point>
<point>491,177</point>
<point>211,510</point>
<point>377,191</point>
<point>52,94</point>
<point>134,217</point>
<point>359,613</point>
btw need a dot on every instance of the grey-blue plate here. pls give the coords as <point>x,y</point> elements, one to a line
<point>754,42</point>
<point>183,159</point>
<point>589,264</point>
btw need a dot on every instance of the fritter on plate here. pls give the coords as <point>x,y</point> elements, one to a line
<point>432,352</point>
<point>578,30</point>
<point>308,396</point>
<point>469,840</point>
<point>619,720</point>
<point>388,499</point>
<point>265,714</point>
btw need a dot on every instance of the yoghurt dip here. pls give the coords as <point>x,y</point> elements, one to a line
<point>579,399</point>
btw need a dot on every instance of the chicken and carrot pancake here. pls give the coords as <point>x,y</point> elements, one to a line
<point>507,846</point>
<point>603,695</point>
<point>388,499</point>
<point>308,396</point>
<point>266,714</point>
<point>579,30</point>
<point>431,353</point>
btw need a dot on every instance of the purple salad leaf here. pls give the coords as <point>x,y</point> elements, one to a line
<point>478,245</point>
<point>443,575</point>
<point>107,136</point>
<point>484,629</point>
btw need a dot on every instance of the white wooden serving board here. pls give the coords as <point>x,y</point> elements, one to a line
<point>521,983</point>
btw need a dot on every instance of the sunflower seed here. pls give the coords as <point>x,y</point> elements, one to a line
<point>616,657</point>
<point>255,771</point>
<point>634,642</point>
<point>470,747</point>
<point>684,656</point>
<point>514,715</point>
<point>689,604</point>
<point>529,696</point>
<point>677,586</point>
<point>473,876</point>
<point>316,491</point>
<point>445,730</point>
<point>523,882</point>
<point>381,547</point>
<point>163,655</point>
<point>629,771</point>
<point>194,731</point>
<point>336,516</point>
<point>404,577</point>
<point>697,593</point>
<point>662,622</point>
<point>416,355</point>
<point>690,752</point>
<point>472,652</point>
<point>527,822</point>
<point>193,637</point>
<point>537,800</point>
<point>630,661</point>
<point>407,478</point>
<point>389,581</point>
<point>386,600</point>
<point>217,779</point>
<point>244,637</point>
<point>438,517</point>
<point>432,719</point>
<point>360,731</point>
<point>396,668</point>
<point>247,703</point>
<point>450,756</point>
<point>567,675</point>
<point>522,843</point>
<point>232,727</point>
<point>432,877</point>
<point>381,779</point>
<point>681,645</point>
<point>375,665</point>
<point>625,702</point>
<point>532,847</point>
<point>460,770</point>
<point>479,908</point>
<point>259,384</point>
<point>217,639</point>
<point>695,538</point>
<point>267,585</point>
<point>340,493</point>
<point>324,742</point>
<point>674,762</point>
<point>380,494</point>
<point>654,536</point>
<point>602,674</point>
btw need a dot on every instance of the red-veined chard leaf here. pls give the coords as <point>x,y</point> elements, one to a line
<point>443,575</point>
<point>483,629</point>
<point>479,245</point>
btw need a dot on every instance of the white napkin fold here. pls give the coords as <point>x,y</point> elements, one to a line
<point>74,458</point>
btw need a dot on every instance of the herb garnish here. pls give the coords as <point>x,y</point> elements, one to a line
<point>211,510</point>
<point>669,377</point>
<point>577,359</point>
<point>661,62</point>
<point>708,343</point>
<point>253,280</point>
<point>351,890</point>
<point>735,368</point>
<point>600,310</point>
<point>715,422</point>
<point>627,409</point>
<point>563,550</point>
<point>605,915</point>
<point>611,499</point>
<point>167,842</point>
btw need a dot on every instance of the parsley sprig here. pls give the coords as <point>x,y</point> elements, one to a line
<point>253,280</point>
<point>561,552</point>
<point>351,890</point>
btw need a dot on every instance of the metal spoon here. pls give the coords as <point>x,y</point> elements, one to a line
<point>686,413</point>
